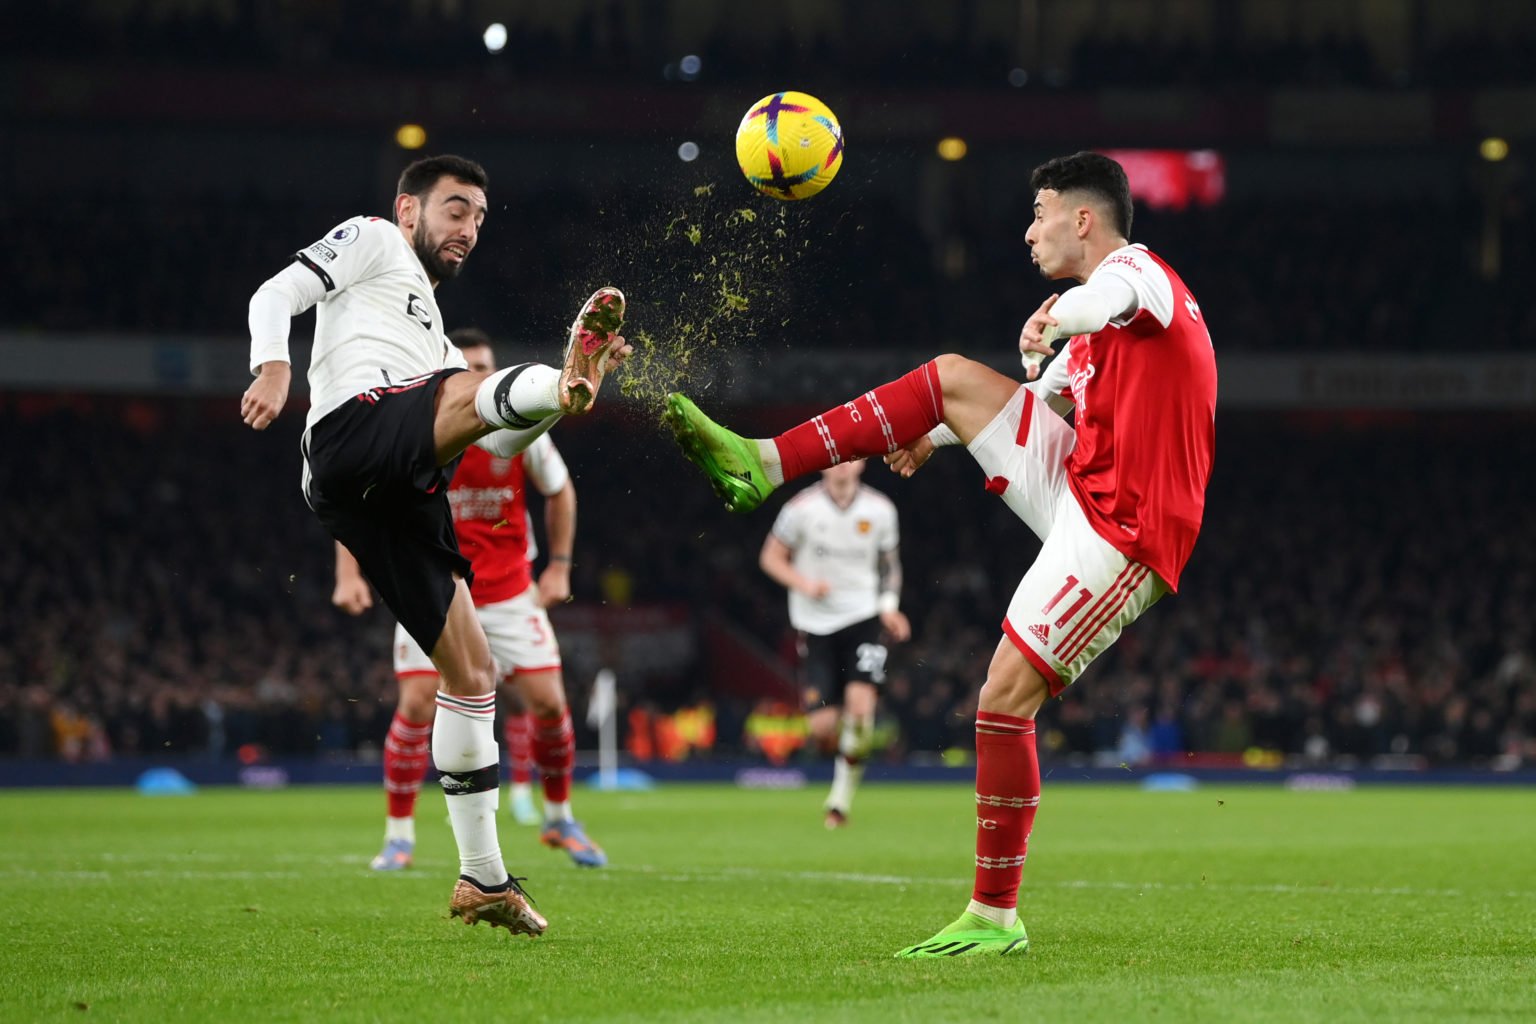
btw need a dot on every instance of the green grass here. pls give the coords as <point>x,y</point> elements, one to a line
<point>1229,903</point>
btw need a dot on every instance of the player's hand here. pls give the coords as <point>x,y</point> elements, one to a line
<point>909,458</point>
<point>555,584</point>
<point>352,596</point>
<point>897,626</point>
<point>1035,339</point>
<point>266,396</point>
<point>815,589</point>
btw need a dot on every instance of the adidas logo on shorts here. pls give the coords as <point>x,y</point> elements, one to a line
<point>1040,632</point>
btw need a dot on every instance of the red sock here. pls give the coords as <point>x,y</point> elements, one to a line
<point>518,730</point>
<point>1007,796</point>
<point>876,423</point>
<point>554,750</point>
<point>407,752</point>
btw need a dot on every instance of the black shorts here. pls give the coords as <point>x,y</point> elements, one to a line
<point>854,654</point>
<point>373,479</point>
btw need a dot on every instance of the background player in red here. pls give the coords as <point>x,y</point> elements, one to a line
<point>1117,502</point>
<point>488,496</point>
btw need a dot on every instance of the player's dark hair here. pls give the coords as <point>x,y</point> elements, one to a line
<point>469,337</point>
<point>1094,173</point>
<point>418,179</point>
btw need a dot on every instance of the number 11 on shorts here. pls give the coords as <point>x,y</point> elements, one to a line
<point>1084,595</point>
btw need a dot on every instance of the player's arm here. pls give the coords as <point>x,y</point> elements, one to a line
<point>1085,309</point>
<point>347,254</point>
<point>548,473</point>
<point>888,603</point>
<point>776,560</point>
<point>352,594</point>
<point>560,528</point>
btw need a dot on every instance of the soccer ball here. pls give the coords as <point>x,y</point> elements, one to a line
<point>789,145</point>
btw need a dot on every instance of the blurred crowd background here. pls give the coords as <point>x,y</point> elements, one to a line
<point>1364,590</point>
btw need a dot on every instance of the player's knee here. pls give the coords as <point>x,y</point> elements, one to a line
<point>1020,694</point>
<point>417,703</point>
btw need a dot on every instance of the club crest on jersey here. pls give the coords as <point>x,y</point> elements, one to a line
<point>416,309</point>
<point>344,235</point>
<point>865,526</point>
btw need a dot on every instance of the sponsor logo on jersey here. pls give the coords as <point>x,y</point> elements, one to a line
<point>1079,383</point>
<point>865,526</point>
<point>1041,632</point>
<point>416,309</point>
<point>344,235</point>
<point>323,252</point>
<point>1125,258</point>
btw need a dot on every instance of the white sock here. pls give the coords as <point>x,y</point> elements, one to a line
<point>1003,917</point>
<point>400,828</point>
<point>772,464</point>
<point>560,811</point>
<point>464,750</point>
<point>845,779</point>
<point>521,789</point>
<point>519,396</point>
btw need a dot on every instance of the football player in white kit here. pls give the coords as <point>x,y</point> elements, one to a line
<point>393,406</point>
<point>490,516</point>
<point>1117,498</point>
<point>834,548</point>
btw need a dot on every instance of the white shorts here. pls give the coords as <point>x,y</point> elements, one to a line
<point>1081,591</point>
<point>519,632</point>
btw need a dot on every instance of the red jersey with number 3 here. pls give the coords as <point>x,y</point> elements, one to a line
<point>1145,391</point>
<point>490,515</point>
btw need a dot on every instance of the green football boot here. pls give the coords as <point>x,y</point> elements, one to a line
<point>731,462</point>
<point>969,935</point>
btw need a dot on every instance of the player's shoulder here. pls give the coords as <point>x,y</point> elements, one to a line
<point>362,231</point>
<point>876,498</point>
<point>1135,260</point>
<point>808,497</point>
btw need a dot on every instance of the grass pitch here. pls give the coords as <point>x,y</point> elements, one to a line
<point>1228,903</point>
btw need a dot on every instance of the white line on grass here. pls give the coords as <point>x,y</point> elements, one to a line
<point>1281,889</point>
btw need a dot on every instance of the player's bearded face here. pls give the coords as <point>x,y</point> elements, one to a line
<point>448,227</point>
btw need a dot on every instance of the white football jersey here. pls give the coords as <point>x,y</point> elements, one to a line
<point>378,324</point>
<point>839,545</point>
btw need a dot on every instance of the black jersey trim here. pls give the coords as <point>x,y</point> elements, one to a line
<point>325,278</point>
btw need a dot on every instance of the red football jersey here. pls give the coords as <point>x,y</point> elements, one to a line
<point>490,515</point>
<point>1146,418</point>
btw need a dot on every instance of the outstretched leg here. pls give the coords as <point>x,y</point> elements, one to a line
<point>963,394</point>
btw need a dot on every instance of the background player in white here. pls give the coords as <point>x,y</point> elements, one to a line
<point>834,547</point>
<point>491,519</point>
<point>392,408</point>
<point>1117,499</point>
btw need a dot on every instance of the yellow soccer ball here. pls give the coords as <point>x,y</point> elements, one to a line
<point>789,145</point>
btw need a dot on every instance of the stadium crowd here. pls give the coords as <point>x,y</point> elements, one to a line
<point>1359,591</point>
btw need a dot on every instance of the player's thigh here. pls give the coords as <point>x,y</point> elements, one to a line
<point>1076,598</point>
<point>461,655</point>
<point>520,635</point>
<point>1023,452</point>
<point>542,692</point>
<point>861,653</point>
<point>973,393</point>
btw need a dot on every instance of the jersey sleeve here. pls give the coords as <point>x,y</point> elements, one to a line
<point>348,253</point>
<point>545,467</point>
<point>1054,380</point>
<point>889,536</point>
<point>789,527</point>
<point>1154,292</point>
